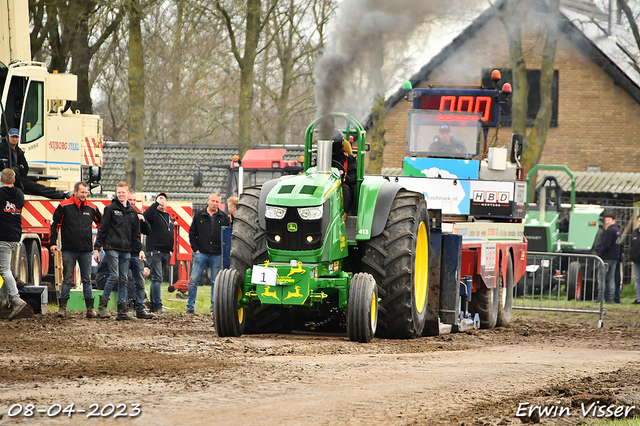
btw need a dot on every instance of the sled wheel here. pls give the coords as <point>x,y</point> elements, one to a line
<point>506,295</point>
<point>22,273</point>
<point>362,308</point>
<point>486,302</point>
<point>227,312</point>
<point>574,281</point>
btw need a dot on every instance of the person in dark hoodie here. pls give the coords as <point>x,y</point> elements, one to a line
<point>159,245</point>
<point>74,218</point>
<point>119,235</point>
<point>21,167</point>
<point>136,265</point>
<point>634,254</point>
<point>11,203</point>
<point>610,252</point>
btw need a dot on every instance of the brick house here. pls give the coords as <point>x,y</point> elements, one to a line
<point>598,87</point>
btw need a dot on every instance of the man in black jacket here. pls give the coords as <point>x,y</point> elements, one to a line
<point>610,253</point>
<point>119,235</point>
<point>74,218</point>
<point>11,203</point>
<point>159,245</point>
<point>21,167</point>
<point>205,237</point>
<point>634,254</point>
<point>348,169</point>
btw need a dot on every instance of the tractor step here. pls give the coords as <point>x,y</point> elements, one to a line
<point>352,228</point>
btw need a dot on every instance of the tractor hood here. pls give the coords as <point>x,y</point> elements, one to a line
<point>303,190</point>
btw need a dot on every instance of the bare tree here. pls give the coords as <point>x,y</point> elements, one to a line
<point>134,166</point>
<point>255,19</point>
<point>512,18</point>
<point>74,30</point>
<point>298,32</point>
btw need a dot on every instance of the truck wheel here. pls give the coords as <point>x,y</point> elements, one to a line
<point>36,264</point>
<point>362,308</point>
<point>248,248</point>
<point>228,315</point>
<point>485,303</point>
<point>506,295</point>
<point>574,281</point>
<point>22,273</point>
<point>398,259</point>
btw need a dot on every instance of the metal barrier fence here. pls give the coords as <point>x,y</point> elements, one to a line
<point>565,282</point>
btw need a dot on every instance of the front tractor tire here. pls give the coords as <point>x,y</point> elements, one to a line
<point>398,259</point>
<point>248,248</point>
<point>362,308</point>
<point>227,313</point>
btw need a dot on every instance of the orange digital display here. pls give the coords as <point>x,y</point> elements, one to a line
<point>483,102</point>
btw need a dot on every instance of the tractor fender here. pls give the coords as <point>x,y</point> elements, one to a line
<point>376,197</point>
<point>262,204</point>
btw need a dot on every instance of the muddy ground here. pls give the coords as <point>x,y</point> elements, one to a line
<point>180,372</point>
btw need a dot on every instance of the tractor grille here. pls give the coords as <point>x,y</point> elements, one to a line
<point>291,239</point>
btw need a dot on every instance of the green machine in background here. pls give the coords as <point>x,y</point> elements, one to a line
<point>552,228</point>
<point>298,262</point>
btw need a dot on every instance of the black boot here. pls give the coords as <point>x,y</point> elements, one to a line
<point>123,314</point>
<point>102,307</point>
<point>62,308</point>
<point>91,312</point>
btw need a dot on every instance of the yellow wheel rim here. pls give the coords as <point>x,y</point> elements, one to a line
<point>421,268</point>
<point>240,310</point>
<point>373,311</point>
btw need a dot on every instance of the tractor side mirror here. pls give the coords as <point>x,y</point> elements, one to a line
<point>197,178</point>
<point>367,146</point>
<point>517,142</point>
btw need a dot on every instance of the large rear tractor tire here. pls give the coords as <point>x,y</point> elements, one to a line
<point>486,304</point>
<point>248,248</point>
<point>398,259</point>
<point>506,295</point>
<point>575,286</point>
<point>362,308</point>
<point>228,315</point>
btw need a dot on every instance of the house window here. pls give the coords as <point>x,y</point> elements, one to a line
<point>533,77</point>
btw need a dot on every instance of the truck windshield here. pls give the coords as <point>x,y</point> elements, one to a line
<point>443,134</point>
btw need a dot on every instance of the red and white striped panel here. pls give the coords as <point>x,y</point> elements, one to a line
<point>92,152</point>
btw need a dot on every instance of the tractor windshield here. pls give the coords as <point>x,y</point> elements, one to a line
<point>443,134</point>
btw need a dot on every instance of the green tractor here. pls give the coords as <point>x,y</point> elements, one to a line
<point>298,262</point>
<point>550,228</point>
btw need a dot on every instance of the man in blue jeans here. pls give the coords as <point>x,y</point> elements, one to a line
<point>119,235</point>
<point>11,203</point>
<point>205,237</point>
<point>610,253</point>
<point>159,245</point>
<point>136,266</point>
<point>74,218</point>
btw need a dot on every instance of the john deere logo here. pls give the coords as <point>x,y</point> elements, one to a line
<point>292,227</point>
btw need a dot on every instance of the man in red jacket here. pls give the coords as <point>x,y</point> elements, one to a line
<point>73,219</point>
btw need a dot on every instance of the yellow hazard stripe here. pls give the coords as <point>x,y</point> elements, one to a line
<point>333,188</point>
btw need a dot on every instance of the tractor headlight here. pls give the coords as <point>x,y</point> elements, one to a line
<point>274,212</point>
<point>310,213</point>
